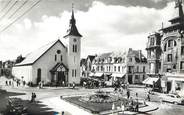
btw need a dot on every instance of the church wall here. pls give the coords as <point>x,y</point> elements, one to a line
<point>74,59</point>
<point>25,71</point>
<point>47,62</point>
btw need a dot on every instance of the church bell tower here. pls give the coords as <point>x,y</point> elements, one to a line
<point>73,38</point>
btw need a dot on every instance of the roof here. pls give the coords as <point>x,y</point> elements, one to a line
<point>82,62</point>
<point>72,28</point>
<point>32,57</point>
<point>139,57</point>
<point>91,57</point>
<point>54,69</point>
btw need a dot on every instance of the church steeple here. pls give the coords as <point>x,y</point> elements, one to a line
<point>180,8</point>
<point>72,27</point>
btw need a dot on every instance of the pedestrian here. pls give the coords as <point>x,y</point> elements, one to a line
<point>10,82</point>
<point>63,83</point>
<point>32,97</point>
<point>128,93</point>
<point>148,97</point>
<point>17,83</point>
<point>73,85</point>
<point>62,113</point>
<point>122,108</point>
<point>6,83</point>
<point>24,83</point>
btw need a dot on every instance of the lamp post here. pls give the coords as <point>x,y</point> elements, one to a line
<point>137,106</point>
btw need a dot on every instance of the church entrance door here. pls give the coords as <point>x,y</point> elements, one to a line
<point>61,76</point>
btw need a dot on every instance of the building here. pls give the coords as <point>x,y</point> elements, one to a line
<point>154,52</point>
<point>173,51</point>
<point>86,66</point>
<point>166,51</point>
<point>55,61</point>
<point>129,66</point>
<point>83,67</point>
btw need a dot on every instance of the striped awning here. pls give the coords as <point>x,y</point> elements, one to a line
<point>150,80</point>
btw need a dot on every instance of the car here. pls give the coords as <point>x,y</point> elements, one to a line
<point>172,98</point>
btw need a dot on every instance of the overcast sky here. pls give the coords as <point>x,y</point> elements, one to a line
<point>106,25</point>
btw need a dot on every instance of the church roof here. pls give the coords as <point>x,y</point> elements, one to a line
<point>32,57</point>
<point>72,28</point>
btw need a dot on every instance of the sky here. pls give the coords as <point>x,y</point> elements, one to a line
<point>106,25</point>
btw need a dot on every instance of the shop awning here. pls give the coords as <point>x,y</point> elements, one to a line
<point>91,74</point>
<point>150,80</point>
<point>98,74</point>
<point>118,74</point>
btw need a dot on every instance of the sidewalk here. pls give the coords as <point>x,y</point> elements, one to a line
<point>151,107</point>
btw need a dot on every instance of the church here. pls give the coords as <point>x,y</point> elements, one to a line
<point>53,62</point>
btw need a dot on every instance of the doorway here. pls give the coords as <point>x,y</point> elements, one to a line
<point>38,76</point>
<point>130,79</point>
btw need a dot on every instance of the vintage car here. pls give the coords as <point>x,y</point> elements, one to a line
<point>172,98</point>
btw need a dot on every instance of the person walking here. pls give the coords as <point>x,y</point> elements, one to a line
<point>128,94</point>
<point>148,97</point>
<point>32,97</point>
<point>6,83</point>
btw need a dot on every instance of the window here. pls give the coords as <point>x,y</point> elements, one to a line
<point>72,73</point>
<point>137,68</point>
<point>137,77</point>
<point>169,57</point>
<point>101,68</point>
<point>182,50</point>
<point>182,65</point>
<point>55,58</point>
<point>61,58</point>
<point>175,43</point>
<point>58,51</point>
<point>75,48</point>
<point>165,46</point>
<point>143,69</point>
<point>114,68</point>
<point>119,68</point>
<point>152,42</point>
<point>130,59</point>
<point>75,72</point>
<point>170,43</point>
<point>109,68</point>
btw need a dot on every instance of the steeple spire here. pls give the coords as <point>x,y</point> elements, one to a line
<point>72,27</point>
<point>180,8</point>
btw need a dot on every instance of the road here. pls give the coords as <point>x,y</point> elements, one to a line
<point>46,93</point>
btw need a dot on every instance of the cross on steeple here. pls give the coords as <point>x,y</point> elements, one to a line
<point>178,5</point>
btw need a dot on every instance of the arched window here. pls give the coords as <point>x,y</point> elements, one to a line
<point>175,43</point>
<point>165,46</point>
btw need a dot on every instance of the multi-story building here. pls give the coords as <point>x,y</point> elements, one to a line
<point>154,52</point>
<point>130,66</point>
<point>167,48</point>
<point>173,51</point>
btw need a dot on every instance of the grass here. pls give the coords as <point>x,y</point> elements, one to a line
<point>92,106</point>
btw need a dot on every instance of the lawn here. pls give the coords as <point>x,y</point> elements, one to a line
<point>93,107</point>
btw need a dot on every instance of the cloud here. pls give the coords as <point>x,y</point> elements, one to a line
<point>104,28</point>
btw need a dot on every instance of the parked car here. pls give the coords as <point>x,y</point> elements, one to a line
<point>172,98</point>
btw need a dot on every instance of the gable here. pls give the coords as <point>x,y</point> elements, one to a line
<point>32,57</point>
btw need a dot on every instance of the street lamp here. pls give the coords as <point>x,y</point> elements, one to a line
<point>137,106</point>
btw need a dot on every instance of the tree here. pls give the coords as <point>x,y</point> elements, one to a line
<point>19,59</point>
